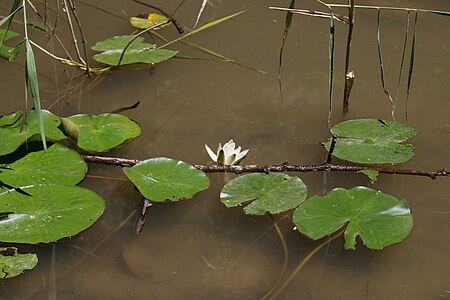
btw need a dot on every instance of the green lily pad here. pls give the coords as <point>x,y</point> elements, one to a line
<point>59,165</point>
<point>162,178</point>
<point>101,133</point>
<point>372,141</point>
<point>379,219</point>
<point>51,212</point>
<point>13,264</point>
<point>137,52</point>
<point>273,193</point>
<point>13,134</point>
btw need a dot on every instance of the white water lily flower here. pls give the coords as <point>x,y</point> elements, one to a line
<point>227,155</point>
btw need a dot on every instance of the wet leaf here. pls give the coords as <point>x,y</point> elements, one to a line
<point>13,134</point>
<point>372,174</point>
<point>372,141</point>
<point>379,219</point>
<point>149,20</point>
<point>162,178</point>
<point>13,264</point>
<point>102,132</point>
<point>137,52</point>
<point>5,51</point>
<point>60,165</point>
<point>273,193</point>
<point>51,213</point>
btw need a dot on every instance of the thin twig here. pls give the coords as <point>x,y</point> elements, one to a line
<point>146,204</point>
<point>124,162</point>
<point>72,31</point>
<point>83,39</point>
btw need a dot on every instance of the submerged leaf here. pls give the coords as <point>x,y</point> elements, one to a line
<point>379,219</point>
<point>273,193</point>
<point>162,178</point>
<point>59,165</point>
<point>13,264</point>
<point>372,141</point>
<point>103,132</point>
<point>51,212</point>
<point>137,51</point>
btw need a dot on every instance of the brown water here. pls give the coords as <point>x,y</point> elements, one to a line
<point>198,249</point>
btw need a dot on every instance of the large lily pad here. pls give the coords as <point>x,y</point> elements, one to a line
<point>51,212</point>
<point>59,165</point>
<point>162,178</point>
<point>372,141</point>
<point>379,219</point>
<point>13,133</point>
<point>137,52</point>
<point>101,133</point>
<point>273,193</point>
<point>13,264</point>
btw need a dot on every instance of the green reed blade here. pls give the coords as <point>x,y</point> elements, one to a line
<point>411,63</point>
<point>380,59</point>
<point>287,26</point>
<point>206,26</point>
<point>405,43</point>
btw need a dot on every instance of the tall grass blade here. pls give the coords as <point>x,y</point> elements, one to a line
<point>206,26</point>
<point>405,43</point>
<point>31,80</point>
<point>331,66</point>
<point>200,12</point>
<point>380,59</point>
<point>220,56</point>
<point>411,64</point>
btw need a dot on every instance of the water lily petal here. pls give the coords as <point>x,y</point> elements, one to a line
<point>211,153</point>
<point>221,157</point>
<point>229,161</point>
<point>240,157</point>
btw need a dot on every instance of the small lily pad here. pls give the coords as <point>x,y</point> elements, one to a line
<point>137,52</point>
<point>59,165</point>
<point>372,174</point>
<point>162,178</point>
<point>101,133</point>
<point>13,264</point>
<point>13,134</point>
<point>372,141</point>
<point>149,20</point>
<point>46,213</point>
<point>273,193</point>
<point>379,219</point>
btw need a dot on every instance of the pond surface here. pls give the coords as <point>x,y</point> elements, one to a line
<point>199,249</point>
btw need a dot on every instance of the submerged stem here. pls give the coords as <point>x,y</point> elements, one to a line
<point>303,262</point>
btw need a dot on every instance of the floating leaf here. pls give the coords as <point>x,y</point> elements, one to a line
<point>372,141</point>
<point>51,212</point>
<point>379,219</point>
<point>12,134</point>
<point>162,178</point>
<point>273,193</point>
<point>137,51</point>
<point>59,165</point>
<point>372,174</point>
<point>101,133</point>
<point>149,20</point>
<point>13,264</point>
